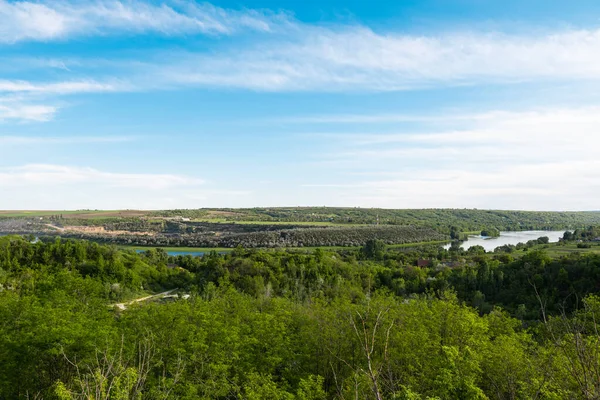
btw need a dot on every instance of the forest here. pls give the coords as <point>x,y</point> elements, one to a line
<point>368,323</point>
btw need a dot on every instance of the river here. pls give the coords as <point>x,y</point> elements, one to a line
<point>489,244</point>
<point>192,253</point>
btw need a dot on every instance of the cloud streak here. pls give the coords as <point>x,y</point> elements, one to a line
<point>56,175</point>
<point>20,99</point>
<point>29,140</point>
<point>297,56</point>
<point>26,112</point>
<point>544,159</point>
<point>49,20</point>
<point>356,58</point>
<point>292,57</point>
<point>65,87</point>
<point>59,187</point>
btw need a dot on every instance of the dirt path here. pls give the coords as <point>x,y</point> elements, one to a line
<point>123,306</point>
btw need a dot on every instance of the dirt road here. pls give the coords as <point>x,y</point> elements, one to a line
<point>123,306</point>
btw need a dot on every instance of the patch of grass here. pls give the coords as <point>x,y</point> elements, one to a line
<point>557,250</point>
<point>33,213</point>
<point>571,248</point>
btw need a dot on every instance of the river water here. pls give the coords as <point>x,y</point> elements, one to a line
<point>186,253</point>
<point>489,244</point>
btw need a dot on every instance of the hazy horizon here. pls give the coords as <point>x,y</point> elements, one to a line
<point>285,207</point>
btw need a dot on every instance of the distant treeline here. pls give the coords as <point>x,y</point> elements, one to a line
<point>299,237</point>
<point>439,219</point>
<point>589,234</point>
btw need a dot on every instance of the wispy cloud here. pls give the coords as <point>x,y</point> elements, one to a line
<point>544,186</point>
<point>23,100</point>
<point>53,175</point>
<point>358,59</point>
<point>300,56</point>
<point>555,129</point>
<point>533,159</point>
<point>51,20</point>
<point>38,140</point>
<point>64,87</point>
<point>26,112</point>
<point>59,187</point>
<point>294,56</point>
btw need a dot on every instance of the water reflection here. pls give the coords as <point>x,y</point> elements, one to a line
<point>489,244</point>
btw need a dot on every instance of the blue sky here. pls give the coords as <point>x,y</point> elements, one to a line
<point>404,104</point>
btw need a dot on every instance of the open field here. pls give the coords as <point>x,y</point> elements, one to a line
<point>83,214</point>
<point>571,248</point>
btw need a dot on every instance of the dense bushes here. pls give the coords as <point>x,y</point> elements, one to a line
<point>351,236</point>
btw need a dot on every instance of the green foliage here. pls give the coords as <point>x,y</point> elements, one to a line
<point>374,249</point>
<point>589,234</point>
<point>462,220</point>
<point>259,324</point>
<point>311,388</point>
<point>490,232</point>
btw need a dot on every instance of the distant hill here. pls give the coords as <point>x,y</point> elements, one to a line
<point>439,219</point>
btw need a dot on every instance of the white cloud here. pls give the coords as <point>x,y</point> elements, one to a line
<point>51,20</point>
<point>53,175</point>
<point>299,56</point>
<point>59,187</point>
<point>20,99</point>
<point>534,136</point>
<point>551,186</point>
<point>66,87</point>
<point>27,112</point>
<point>530,160</point>
<point>358,59</point>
